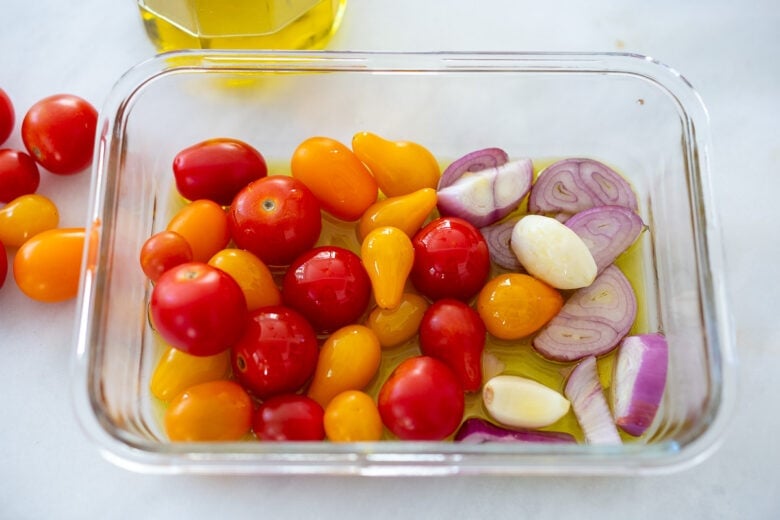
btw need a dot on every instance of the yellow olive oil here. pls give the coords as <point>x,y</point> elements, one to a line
<point>240,24</point>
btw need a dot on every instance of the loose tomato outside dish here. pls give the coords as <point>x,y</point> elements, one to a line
<point>19,175</point>
<point>47,267</point>
<point>6,116</point>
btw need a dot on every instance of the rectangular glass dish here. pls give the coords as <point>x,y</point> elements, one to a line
<point>629,111</point>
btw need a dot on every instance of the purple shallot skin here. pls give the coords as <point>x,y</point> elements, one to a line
<point>480,431</point>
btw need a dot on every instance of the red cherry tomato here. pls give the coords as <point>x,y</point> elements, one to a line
<point>59,133</point>
<point>453,332</point>
<point>162,251</point>
<point>329,286</point>
<point>451,259</point>
<point>289,418</point>
<point>277,218</point>
<point>6,116</point>
<point>217,169</point>
<point>277,354</point>
<point>421,400</point>
<point>19,175</point>
<point>198,309</point>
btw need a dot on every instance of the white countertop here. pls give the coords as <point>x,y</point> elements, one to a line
<point>726,49</point>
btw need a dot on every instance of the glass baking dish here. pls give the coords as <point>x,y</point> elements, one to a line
<point>641,117</point>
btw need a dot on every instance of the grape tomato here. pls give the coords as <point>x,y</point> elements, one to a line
<point>6,116</point>
<point>25,217</point>
<point>19,175</point>
<point>212,411</point>
<point>289,418</point>
<point>47,267</point>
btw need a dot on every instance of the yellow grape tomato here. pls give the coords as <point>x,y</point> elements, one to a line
<point>25,217</point>
<point>396,326</point>
<point>176,371</point>
<point>213,411</point>
<point>251,274</point>
<point>352,416</point>
<point>47,267</point>
<point>387,254</point>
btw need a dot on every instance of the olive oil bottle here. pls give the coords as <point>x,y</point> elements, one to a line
<point>240,24</point>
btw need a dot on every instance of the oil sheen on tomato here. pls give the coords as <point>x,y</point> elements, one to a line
<point>518,356</point>
<point>240,24</point>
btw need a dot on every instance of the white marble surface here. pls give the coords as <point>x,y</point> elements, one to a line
<point>728,51</point>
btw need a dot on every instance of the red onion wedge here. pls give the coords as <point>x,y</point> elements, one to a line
<point>592,321</point>
<point>607,231</point>
<point>480,431</point>
<point>573,185</point>
<point>584,390</point>
<point>487,196</point>
<point>638,381</point>
<point>473,162</point>
<point>498,236</point>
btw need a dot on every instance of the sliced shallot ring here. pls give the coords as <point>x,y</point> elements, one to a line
<point>583,389</point>
<point>573,185</point>
<point>498,236</point>
<point>472,162</point>
<point>592,321</point>
<point>607,231</point>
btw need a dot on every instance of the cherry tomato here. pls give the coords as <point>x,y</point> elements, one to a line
<point>516,305</point>
<point>204,224</point>
<point>217,169</point>
<point>387,254</point>
<point>3,264</point>
<point>453,332</point>
<point>352,416</point>
<point>6,116</point>
<point>47,267</point>
<point>19,175</point>
<point>251,274</point>
<point>329,286</point>
<point>162,251</point>
<point>399,167</point>
<point>335,175</point>
<point>289,418</point>
<point>406,212</point>
<point>198,309</point>
<point>277,218</point>
<point>395,326</point>
<point>348,360</point>
<point>59,133</point>
<point>25,217</point>
<point>176,371</point>
<point>421,400</point>
<point>211,411</point>
<point>277,354</point>
<point>451,259</point>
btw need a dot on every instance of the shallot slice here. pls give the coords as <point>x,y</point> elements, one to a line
<point>573,185</point>
<point>607,231</point>
<point>583,389</point>
<point>473,162</point>
<point>498,237</point>
<point>480,431</point>
<point>592,321</point>
<point>487,196</point>
<point>639,380</point>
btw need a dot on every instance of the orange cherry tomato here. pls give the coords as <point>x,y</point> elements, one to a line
<point>388,255</point>
<point>352,416</point>
<point>212,411</point>
<point>204,224</point>
<point>348,360</point>
<point>342,184</point>
<point>515,305</point>
<point>162,251</point>
<point>47,267</point>
<point>26,216</point>
<point>399,167</point>
<point>176,371</point>
<point>395,326</point>
<point>251,274</point>
<point>406,212</point>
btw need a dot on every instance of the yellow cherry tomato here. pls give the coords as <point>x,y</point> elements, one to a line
<point>212,411</point>
<point>515,305</point>
<point>348,360</point>
<point>204,224</point>
<point>352,416</point>
<point>406,212</point>
<point>251,274</point>
<point>388,255</point>
<point>176,371</point>
<point>399,167</point>
<point>396,326</point>
<point>25,217</point>
<point>47,267</point>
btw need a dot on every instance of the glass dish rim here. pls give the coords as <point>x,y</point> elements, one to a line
<point>404,458</point>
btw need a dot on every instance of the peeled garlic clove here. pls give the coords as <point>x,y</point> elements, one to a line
<point>552,252</point>
<point>523,403</point>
